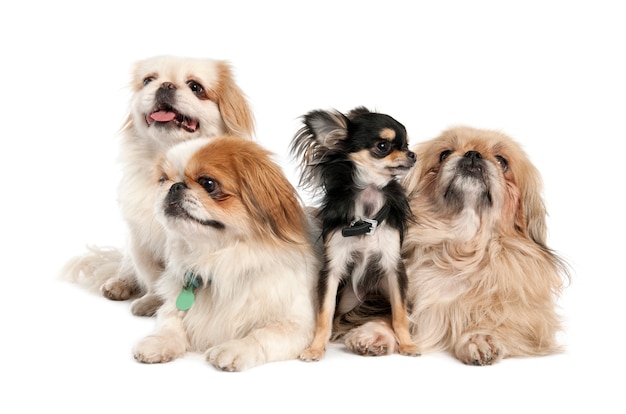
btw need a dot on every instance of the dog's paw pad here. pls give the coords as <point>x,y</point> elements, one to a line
<point>371,339</point>
<point>236,355</point>
<point>117,289</point>
<point>311,355</point>
<point>157,349</point>
<point>479,350</point>
<point>409,350</point>
<point>377,345</point>
<point>152,358</point>
<point>146,305</point>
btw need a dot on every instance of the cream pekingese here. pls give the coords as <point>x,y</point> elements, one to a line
<point>174,99</point>
<point>239,284</point>
<point>482,281</point>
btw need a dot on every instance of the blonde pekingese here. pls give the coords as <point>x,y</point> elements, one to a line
<point>482,281</point>
<point>239,284</point>
<point>174,99</point>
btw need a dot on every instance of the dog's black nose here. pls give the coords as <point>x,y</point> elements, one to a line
<point>175,193</point>
<point>411,158</point>
<point>166,94</point>
<point>177,187</point>
<point>168,85</point>
<point>473,155</point>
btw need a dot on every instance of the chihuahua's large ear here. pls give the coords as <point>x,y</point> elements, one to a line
<point>359,110</point>
<point>322,134</point>
<point>328,127</point>
<point>233,104</point>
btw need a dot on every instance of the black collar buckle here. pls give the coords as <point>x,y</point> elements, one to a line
<point>360,227</point>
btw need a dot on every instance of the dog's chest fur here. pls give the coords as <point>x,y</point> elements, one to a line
<point>359,255</point>
<point>368,202</point>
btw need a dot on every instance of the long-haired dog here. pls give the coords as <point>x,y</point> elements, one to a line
<point>239,282</point>
<point>482,280</point>
<point>356,160</point>
<point>174,99</point>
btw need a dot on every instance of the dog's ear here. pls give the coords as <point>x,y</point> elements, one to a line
<point>359,110</point>
<point>269,197</point>
<point>128,124</point>
<point>233,104</point>
<point>531,214</point>
<point>328,127</point>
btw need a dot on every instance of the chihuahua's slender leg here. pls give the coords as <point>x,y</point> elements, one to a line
<point>399,311</point>
<point>328,284</point>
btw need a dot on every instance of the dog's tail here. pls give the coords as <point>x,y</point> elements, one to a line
<point>93,268</point>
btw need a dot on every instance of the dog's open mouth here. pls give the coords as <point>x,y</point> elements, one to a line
<point>169,117</point>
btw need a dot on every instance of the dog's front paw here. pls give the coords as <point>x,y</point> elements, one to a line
<point>158,348</point>
<point>372,339</point>
<point>117,289</point>
<point>312,354</point>
<point>236,355</point>
<point>409,349</point>
<point>147,305</point>
<point>478,349</point>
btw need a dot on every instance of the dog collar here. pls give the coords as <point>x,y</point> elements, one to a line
<point>186,297</point>
<point>365,226</point>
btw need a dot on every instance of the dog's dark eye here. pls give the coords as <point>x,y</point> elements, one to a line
<point>147,80</point>
<point>444,154</point>
<point>504,164</point>
<point>198,90</point>
<point>163,179</point>
<point>195,87</point>
<point>383,147</point>
<point>210,185</point>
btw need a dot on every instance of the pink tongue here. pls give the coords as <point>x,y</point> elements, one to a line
<point>163,116</point>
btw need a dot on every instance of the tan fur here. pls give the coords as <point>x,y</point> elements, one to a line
<point>388,134</point>
<point>482,282</point>
<point>233,104</point>
<point>400,324</point>
<point>221,108</point>
<point>316,350</point>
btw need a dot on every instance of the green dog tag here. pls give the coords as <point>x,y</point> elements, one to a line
<point>185,299</point>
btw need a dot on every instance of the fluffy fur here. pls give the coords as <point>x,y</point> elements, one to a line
<point>356,161</point>
<point>482,281</point>
<point>174,99</point>
<point>235,222</point>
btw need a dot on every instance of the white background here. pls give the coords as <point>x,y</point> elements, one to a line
<point>548,73</point>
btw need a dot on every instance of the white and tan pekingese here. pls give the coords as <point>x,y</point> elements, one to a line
<point>482,281</point>
<point>174,99</point>
<point>239,284</point>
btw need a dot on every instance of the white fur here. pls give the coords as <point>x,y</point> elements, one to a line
<point>257,307</point>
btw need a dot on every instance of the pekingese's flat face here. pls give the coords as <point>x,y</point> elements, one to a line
<point>479,172</point>
<point>481,276</point>
<point>224,189</point>
<point>197,195</point>
<point>177,98</point>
